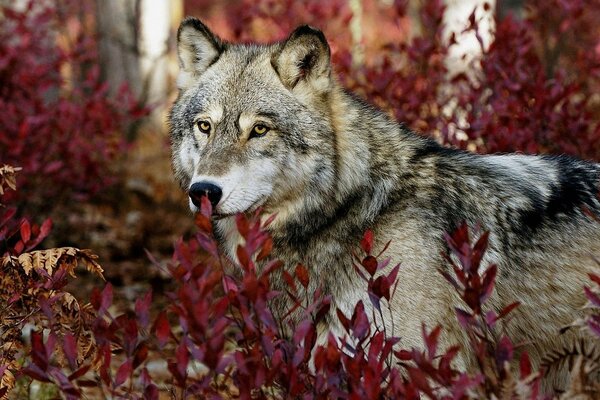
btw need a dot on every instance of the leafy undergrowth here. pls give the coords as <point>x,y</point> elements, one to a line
<point>218,338</point>
<point>57,121</point>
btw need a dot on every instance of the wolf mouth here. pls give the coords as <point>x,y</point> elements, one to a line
<point>251,208</point>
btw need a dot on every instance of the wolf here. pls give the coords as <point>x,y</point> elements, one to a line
<point>268,126</point>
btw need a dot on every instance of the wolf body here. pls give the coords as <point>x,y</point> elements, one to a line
<point>268,126</point>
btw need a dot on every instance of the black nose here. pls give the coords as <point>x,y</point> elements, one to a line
<point>213,192</point>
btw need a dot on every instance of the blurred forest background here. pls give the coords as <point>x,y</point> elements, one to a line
<point>85,87</point>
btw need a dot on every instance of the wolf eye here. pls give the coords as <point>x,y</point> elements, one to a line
<point>203,126</point>
<point>259,130</point>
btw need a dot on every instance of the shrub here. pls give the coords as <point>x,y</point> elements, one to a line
<point>221,339</point>
<point>56,121</point>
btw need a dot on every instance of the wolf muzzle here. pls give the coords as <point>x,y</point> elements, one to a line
<point>213,192</point>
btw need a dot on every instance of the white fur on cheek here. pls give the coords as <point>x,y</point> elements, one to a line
<point>188,157</point>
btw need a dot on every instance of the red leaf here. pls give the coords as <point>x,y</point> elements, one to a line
<point>367,242</point>
<point>105,299</point>
<point>508,309</point>
<point>182,356</point>
<point>393,275</point>
<point>419,379</point>
<point>151,392</point>
<point>343,319</point>
<point>487,287</point>
<point>7,216</point>
<point>289,280</point>
<point>381,288</point>
<point>594,327</point>
<point>19,247</point>
<point>595,278</point>
<point>142,308</point>
<point>80,372</point>
<point>25,231</point>
<point>244,258</point>
<point>524,365</point>
<point>162,329</point>
<point>205,206</point>
<point>360,321</point>
<point>141,354</point>
<point>449,278</point>
<point>266,249</point>
<point>504,352</point>
<point>38,351</point>
<point>464,318</point>
<point>95,298</point>
<point>87,383</point>
<point>229,284</point>
<point>592,297</point>
<point>479,250</point>
<point>45,229</point>
<point>123,373</point>
<point>242,224</point>
<point>323,308</point>
<point>203,222</point>
<point>302,275</point>
<point>370,264</point>
<point>70,350</point>
<point>36,373</point>
<point>403,355</point>
<point>272,266</point>
<point>431,340</point>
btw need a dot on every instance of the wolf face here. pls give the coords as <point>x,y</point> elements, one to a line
<point>244,128</point>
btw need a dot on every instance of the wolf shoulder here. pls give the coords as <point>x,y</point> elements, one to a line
<point>512,191</point>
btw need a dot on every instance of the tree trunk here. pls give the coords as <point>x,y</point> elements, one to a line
<point>467,47</point>
<point>118,29</point>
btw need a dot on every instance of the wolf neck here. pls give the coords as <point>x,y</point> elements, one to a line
<point>365,171</point>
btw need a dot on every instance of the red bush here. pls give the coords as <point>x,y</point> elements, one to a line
<point>222,340</point>
<point>56,121</point>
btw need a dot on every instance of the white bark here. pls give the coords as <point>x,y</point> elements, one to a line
<point>467,47</point>
<point>134,45</point>
<point>155,30</point>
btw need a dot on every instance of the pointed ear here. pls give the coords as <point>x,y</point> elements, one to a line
<point>304,57</point>
<point>197,48</point>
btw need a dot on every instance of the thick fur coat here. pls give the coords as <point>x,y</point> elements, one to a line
<point>268,126</point>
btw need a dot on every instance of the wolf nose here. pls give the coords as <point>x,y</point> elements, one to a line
<point>213,192</point>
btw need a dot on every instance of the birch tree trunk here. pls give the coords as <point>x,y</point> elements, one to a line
<point>118,28</point>
<point>467,47</point>
<point>135,38</point>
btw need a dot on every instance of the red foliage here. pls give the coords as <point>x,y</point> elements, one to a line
<point>220,320</point>
<point>56,121</point>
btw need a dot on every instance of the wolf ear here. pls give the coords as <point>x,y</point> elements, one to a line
<point>197,49</point>
<point>304,56</point>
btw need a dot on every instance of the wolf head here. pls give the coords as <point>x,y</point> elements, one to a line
<point>252,125</point>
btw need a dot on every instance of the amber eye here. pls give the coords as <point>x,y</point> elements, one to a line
<point>203,126</point>
<point>259,130</point>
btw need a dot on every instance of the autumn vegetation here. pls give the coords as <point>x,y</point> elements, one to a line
<point>213,334</point>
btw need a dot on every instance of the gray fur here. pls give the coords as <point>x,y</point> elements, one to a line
<point>333,166</point>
